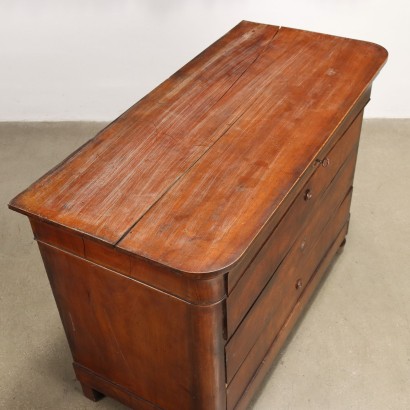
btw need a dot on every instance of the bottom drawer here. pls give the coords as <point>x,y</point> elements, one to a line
<point>276,303</point>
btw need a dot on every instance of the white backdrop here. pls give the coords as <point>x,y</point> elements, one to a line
<point>90,60</point>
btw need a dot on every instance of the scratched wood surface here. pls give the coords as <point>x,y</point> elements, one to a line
<point>189,175</point>
<point>108,185</point>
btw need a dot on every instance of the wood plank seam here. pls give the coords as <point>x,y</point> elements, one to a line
<point>208,149</point>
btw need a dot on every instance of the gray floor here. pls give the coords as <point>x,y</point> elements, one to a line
<point>350,351</point>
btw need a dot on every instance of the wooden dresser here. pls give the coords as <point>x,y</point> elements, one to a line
<point>183,242</point>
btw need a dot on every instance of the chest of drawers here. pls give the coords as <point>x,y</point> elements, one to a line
<point>184,240</point>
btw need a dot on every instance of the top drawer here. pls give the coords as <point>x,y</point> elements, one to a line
<point>260,269</point>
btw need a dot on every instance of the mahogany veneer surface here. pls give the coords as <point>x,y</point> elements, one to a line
<point>184,240</point>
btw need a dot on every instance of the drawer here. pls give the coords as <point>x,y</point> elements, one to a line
<point>289,226</point>
<point>275,248</point>
<point>285,286</point>
<point>292,222</point>
<point>262,355</point>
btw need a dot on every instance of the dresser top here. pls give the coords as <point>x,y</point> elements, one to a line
<point>189,175</point>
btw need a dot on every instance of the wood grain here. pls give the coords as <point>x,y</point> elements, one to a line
<point>108,185</point>
<point>203,223</point>
<point>175,179</point>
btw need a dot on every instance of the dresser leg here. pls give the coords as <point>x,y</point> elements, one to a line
<point>90,393</point>
<point>341,247</point>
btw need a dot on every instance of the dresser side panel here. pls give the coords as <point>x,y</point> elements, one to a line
<point>159,348</point>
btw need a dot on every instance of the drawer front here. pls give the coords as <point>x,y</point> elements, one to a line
<point>279,295</point>
<point>292,222</point>
<point>259,360</point>
<point>282,292</point>
<point>275,248</point>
